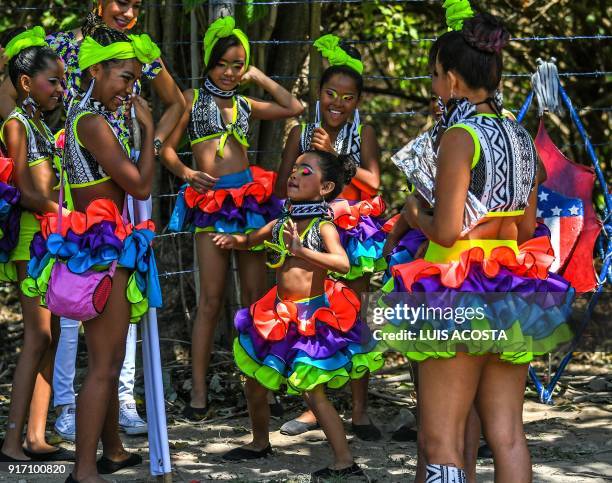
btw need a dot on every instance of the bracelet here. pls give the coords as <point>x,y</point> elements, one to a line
<point>157,145</point>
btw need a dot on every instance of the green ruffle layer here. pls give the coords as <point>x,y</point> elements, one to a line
<point>305,377</point>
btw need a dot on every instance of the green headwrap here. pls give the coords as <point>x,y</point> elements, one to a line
<point>456,12</point>
<point>140,47</point>
<point>221,28</point>
<point>34,37</point>
<point>329,46</point>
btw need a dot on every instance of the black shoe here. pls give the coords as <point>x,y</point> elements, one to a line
<point>366,432</point>
<point>71,479</point>
<point>485,451</point>
<point>295,427</point>
<point>195,414</point>
<point>4,458</point>
<point>276,408</point>
<point>60,454</point>
<point>241,453</point>
<point>107,466</point>
<point>404,433</point>
<point>337,475</point>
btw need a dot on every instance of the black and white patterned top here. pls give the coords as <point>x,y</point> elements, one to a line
<point>505,172</point>
<point>81,166</point>
<point>206,122</point>
<point>40,144</point>
<point>348,141</point>
<point>311,238</point>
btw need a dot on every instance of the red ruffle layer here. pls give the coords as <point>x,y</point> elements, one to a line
<point>6,169</point>
<point>272,318</point>
<point>212,200</point>
<point>347,216</point>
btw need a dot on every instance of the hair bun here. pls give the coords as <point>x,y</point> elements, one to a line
<point>486,33</point>
<point>349,168</point>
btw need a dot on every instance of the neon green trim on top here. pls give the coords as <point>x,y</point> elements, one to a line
<point>439,254</point>
<point>37,162</point>
<point>281,248</point>
<point>472,132</point>
<point>90,183</point>
<point>75,123</point>
<point>499,214</point>
<point>489,114</point>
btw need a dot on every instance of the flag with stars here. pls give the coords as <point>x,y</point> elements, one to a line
<point>572,180</point>
<point>564,217</point>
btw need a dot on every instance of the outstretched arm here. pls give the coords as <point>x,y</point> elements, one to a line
<point>243,242</point>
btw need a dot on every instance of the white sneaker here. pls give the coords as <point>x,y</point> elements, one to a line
<point>65,424</point>
<point>129,420</point>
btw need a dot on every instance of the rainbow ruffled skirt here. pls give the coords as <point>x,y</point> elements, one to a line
<point>522,299</point>
<point>94,240</point>
<point>305,343</point>
<point>359,225</point>
<point>10,214</point>
<point>239,203</point>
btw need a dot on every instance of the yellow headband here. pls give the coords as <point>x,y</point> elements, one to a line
<point>329,46</point>
<point>219,29</point>
<point>139,47</point>
<point>34,37</point>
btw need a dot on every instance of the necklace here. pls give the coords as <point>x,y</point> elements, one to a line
<point>215,91</point>
<point>308,209</point>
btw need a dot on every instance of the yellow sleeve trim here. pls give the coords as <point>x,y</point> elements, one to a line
<point>90,183</point>
<point>472,132</point>
<point>74,127</point>
<point>499,214</point>
<point>196,95</point>
<point>36,162</point>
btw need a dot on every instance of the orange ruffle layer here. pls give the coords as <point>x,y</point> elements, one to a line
<point>533,260</point>
<point>99,210</point>
<point>6,169</point>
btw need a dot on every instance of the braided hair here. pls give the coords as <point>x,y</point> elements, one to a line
<point>339,169</point>
<point>333,70</point>
<point>30,61</point>
<point>474,52</point>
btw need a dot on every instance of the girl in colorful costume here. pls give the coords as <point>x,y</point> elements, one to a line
<point>305,332</point>
<point>494,158</point>
<point>358,209</point>
<point>225,195</point>
<point>37,72</point>
<point>98,237</point>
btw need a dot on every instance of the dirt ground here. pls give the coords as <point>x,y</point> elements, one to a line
<point>570,441</point>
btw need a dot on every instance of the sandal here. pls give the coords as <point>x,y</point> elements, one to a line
<point>404,433</point>
<point>295,427</point>
<point>60,454</point>
<point>106,466</point>
<point>338,475</point>
<point>195,414</point>
<point>366,432</point>
<point>242,453</point>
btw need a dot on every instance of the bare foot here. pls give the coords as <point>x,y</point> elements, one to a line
<point>15,453</point>
<point>41,447</point>
<point>307,417</point>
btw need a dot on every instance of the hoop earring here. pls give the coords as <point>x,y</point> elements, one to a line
<point>132,23</point>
